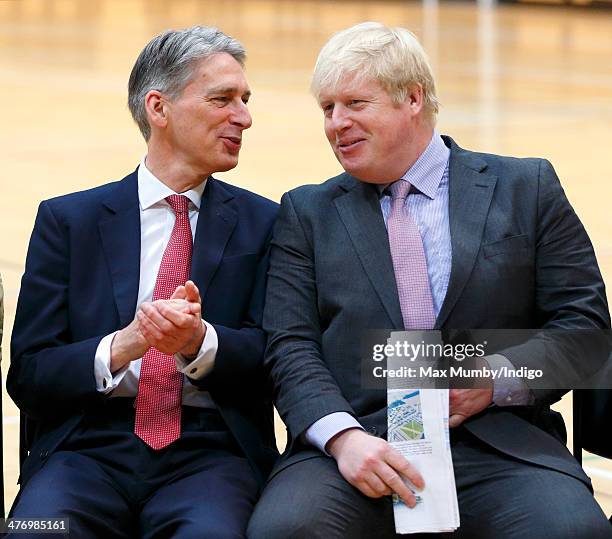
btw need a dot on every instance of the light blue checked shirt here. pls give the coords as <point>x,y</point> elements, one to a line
<point>428,206</point>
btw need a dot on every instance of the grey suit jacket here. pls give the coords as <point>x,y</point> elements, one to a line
<point>521,259</point>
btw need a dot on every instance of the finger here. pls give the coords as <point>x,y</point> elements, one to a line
<point>365,488</point>
<point>394,483</point>
<point>195,309</point>
<point>455,397</point>
<point>186,318</point>
<point>455,420</point>
<point>154,337</point>
<point>405,468</point>
<point>457,401</point>
<point>192,292</point>
<point>398,485</point>
<point>158,314</point>
<point>377,485</point>
<point>391,479</point>
<point>176,304</point>
<point>150,331</point>
<point>180,319</point>
<point>179,293</point>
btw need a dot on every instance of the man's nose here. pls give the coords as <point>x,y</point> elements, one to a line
<point>242,116</point>
<point>340,118</point>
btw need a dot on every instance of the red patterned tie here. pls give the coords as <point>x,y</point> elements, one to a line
<point>158,403</point>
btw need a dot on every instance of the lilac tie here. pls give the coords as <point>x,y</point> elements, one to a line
<point>409,262</point>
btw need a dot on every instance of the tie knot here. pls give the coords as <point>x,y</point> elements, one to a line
<point>399,189</point>
<point>179,203</point>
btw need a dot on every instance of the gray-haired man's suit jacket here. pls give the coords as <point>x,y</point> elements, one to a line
<point>521,259</point>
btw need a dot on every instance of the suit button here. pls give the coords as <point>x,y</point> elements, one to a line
<point>44,454</point>
<point>372,430</point>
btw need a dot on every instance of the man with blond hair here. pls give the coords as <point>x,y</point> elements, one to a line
<point>418,233</point>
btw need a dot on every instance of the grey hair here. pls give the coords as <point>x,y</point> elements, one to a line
<point>372,51</point>
<point>166,65</point>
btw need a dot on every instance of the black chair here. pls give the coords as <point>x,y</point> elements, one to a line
<point>1,412</point>
<point>2,514</point>
<point>592,414</point>
<point>592,419</point>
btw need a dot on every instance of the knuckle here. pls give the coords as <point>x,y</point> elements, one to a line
<point>360,472</point>
<point>166,327</point>
<point>391,479</point>
<point>379,449</point>
<point>369,461</point>
<point>386,491</point>
<point>357,477</point>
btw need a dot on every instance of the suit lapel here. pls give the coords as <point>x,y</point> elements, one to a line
<point>120,234</point>
<point>216,222</point>
<point>359,209</point>
<point>470,193</point>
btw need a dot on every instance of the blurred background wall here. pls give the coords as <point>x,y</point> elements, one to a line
<point>514,78</point>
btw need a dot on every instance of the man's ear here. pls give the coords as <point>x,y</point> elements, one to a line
<point>157,109</point>
<point>414,99</point>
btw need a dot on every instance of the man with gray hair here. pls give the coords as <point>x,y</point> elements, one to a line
<point>419,234</point>
<point>137,347</point>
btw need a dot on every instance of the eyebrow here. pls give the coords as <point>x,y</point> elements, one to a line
<point>227,90</point>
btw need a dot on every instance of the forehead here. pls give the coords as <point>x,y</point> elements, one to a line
<point>351,85</point>
<point>220,71</point>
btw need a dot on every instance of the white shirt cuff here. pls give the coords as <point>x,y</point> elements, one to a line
<point>205,360</point>
<point>508,391</point>
<point>105,380</point>
<point>324,429</point>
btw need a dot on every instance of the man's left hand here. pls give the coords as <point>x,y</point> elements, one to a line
<point>465,403</point>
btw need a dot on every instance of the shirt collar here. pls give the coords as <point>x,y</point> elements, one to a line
<point>152,190</point>
<point>428,170</point>
<point>426,173</point>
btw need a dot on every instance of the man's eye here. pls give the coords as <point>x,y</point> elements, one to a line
<point>327,109</point>
<point>220,99</point>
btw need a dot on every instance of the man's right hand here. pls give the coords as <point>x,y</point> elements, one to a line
<point>130,344</point>
<point>371,465</point>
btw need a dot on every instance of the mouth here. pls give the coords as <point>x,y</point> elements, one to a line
<point>232,143</point>
<point>347,145</point>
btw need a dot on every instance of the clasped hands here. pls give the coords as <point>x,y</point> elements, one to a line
<point>172,326</point>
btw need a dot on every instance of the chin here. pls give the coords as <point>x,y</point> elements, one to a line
<point>226,165</point>
<point>368,175</point>
<point>363,173</point>
<point>372,179</point>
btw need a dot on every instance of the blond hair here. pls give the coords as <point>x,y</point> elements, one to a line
<point>372,51</point>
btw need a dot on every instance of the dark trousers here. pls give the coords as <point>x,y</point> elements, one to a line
<point>110,484</point>
<point>499,498</point>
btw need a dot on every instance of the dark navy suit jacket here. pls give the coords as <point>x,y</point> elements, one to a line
<point>81,283</point>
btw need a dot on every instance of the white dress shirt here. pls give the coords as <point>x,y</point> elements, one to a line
<point>156,224</point>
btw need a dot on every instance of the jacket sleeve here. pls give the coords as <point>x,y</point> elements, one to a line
<point>570,299</point>
<point>239,358</point>
<point>48,372</point>
<point>304,388</point>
